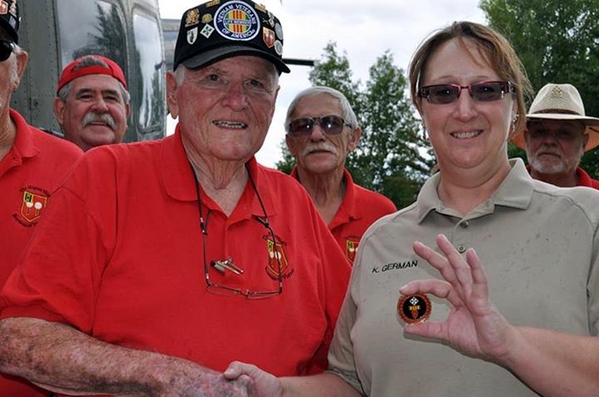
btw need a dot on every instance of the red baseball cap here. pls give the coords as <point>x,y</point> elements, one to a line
<point>73,70</point>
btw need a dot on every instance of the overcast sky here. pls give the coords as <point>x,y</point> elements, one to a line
<point>363,29</point>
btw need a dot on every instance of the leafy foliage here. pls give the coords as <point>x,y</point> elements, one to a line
<point>557,43</point>
<point>392,157</point>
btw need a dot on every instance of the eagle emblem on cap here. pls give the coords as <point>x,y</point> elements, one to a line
<point>192,18</point>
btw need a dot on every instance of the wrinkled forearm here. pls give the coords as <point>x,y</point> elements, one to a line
<point>64,360</point>
<point>555,364</point>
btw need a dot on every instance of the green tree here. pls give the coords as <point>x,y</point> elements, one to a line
<point>557,43</point>
<point>389,158</point>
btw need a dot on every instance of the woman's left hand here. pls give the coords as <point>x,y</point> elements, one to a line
<point>473,327</point>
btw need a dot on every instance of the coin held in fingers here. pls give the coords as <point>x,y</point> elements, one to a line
<point>414,308</point>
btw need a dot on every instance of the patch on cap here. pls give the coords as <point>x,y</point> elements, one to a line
<point>414,308</point>
<point>9,18</point>
<point>192,18</point>
<point>244,28</point>
<point>557,92</point>
<point>235,20</point>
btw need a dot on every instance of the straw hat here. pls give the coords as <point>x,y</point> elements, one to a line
<point>561,102</point>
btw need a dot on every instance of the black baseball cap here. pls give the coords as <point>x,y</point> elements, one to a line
<point>218,29</point>
<point>9,18</point>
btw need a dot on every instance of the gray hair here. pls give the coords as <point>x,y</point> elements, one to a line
<point>346,110</point>
<point>91,60</point>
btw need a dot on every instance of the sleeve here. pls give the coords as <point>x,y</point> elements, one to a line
<point>341,353</point>
<point>335,278</point>
<point>60,274</point>
<point>593,289</point>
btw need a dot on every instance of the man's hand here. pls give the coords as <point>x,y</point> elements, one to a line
<point>211,385</point>
<point>264,384</point>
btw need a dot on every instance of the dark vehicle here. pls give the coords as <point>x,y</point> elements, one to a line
<point>55,32</point>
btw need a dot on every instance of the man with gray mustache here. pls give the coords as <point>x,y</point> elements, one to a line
<point>92,102</point>
<point>322,129</point>
<point>557,134</point>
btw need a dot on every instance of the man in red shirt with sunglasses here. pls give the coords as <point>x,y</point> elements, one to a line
<point>322,129</point>
<point>32,163</point>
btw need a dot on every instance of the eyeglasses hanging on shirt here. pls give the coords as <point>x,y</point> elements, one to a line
<point>228,265</point>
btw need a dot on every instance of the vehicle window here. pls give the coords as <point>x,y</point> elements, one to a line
<point>92,27</point>
<point>148,50</point>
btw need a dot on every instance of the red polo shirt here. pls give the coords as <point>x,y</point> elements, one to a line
<point>359,209</point>
<point>120,257</point>
<point>585,180</point>
<point>29,173</point>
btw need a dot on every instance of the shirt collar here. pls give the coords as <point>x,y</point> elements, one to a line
<point>23,146</point>
<point>584,179</point>
<point>515,191</point>
<point>348,204</point>
<point>177,178</point>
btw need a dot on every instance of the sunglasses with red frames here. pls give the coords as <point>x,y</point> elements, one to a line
<point>485,91</point>
<point>6,48</point>
<point>331,125</point>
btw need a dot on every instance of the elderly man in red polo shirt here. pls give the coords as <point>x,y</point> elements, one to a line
<point>160,262</point>
<point>92,102</point>
<point>557,134</point>
<point>32,163</point>
<point>322,129</point>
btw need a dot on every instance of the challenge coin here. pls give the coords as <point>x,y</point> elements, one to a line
<point>414,308</point>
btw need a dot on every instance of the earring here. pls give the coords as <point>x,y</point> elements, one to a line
<point>424,135</point>
<point>513,126</point>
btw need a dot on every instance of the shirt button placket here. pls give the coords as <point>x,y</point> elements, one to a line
<point>461,235</point>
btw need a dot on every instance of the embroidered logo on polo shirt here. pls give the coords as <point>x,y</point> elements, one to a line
<point>395,266</point>
<point>351,247</point>
<point>276,255</point>
<point>31,207</point>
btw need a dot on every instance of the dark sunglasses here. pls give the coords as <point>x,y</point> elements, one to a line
<point>485,91</point>
<point>6,48</point>
<point>331,125</point>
